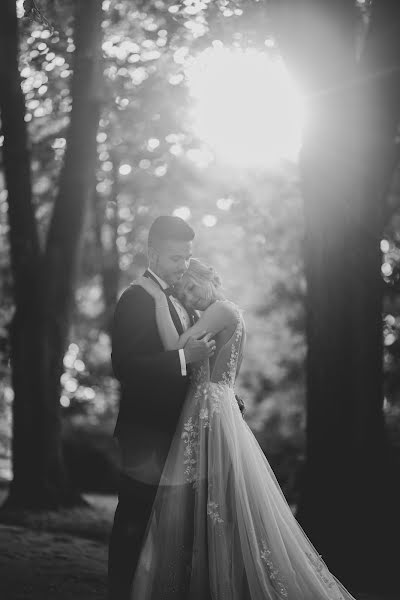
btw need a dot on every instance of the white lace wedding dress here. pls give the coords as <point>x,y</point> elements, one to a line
<point>221,528</point>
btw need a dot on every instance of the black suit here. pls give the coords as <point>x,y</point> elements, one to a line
<point>152,393</point>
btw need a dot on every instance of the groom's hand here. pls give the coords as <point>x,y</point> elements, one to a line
<point>199,347</point>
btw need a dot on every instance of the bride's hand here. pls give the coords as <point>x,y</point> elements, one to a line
<point>151,288</point>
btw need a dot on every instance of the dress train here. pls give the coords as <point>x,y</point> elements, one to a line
<point>221,528</point>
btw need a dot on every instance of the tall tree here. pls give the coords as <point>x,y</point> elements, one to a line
<point>44,279</point>
<point>351,76</point>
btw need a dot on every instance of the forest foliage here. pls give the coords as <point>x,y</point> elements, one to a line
<point>248,221</point>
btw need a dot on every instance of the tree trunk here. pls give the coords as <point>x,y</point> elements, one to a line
<point>107,235</point>
<point>44,284</point>
<point>26,362</point>
<point>347,155</point>
<point>77,180</point>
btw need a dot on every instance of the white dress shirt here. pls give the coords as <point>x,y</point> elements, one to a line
<point>183,317</point>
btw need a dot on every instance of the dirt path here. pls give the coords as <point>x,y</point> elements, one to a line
<point>63,555</point>
<point>37,565</point>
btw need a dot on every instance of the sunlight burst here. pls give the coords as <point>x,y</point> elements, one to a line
<point>245,106</point>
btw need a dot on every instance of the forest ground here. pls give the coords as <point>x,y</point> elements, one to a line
<point>61,555</point>
<point>56,555</point>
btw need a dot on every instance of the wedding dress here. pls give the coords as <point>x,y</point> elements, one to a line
<point>220,527</point>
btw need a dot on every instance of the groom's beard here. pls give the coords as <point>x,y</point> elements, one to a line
<point>177,278</point>
<point>170,278</point>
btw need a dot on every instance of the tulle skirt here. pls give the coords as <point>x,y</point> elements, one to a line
<point>220,527</point>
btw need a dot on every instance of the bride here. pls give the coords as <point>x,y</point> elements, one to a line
<point>220,527</point>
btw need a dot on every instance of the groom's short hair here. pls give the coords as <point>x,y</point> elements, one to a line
<point>168,227</point>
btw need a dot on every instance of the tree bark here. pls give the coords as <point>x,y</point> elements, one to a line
<point>44,283</point>
<point>76,184</point>
<point>348,154</point>
<point>107,248</point>
<point>25,253</point>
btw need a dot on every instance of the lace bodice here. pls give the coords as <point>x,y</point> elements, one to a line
<point>225,366</point>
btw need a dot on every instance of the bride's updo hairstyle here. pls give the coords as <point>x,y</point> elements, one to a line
<point>204,276</point>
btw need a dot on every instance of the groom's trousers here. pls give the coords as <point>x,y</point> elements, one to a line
<point>135,501</point>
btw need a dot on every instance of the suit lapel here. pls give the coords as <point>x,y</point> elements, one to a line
<point>174,315</point>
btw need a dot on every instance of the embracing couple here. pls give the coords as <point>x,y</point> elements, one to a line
<point>200,514</point>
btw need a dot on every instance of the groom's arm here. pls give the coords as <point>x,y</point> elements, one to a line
<point>133,328</point>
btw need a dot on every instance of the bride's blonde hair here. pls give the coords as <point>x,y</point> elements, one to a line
<point>204,276</point>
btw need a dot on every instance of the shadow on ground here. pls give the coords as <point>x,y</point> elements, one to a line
<point>62,555</point>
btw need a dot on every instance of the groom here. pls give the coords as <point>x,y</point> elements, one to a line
<point>153,387</point>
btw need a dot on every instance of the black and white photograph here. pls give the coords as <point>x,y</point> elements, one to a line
<point>199,299</point>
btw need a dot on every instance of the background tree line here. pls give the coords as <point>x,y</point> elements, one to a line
<point>96,141</point>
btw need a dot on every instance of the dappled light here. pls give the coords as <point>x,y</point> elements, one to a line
<point>271,129</point>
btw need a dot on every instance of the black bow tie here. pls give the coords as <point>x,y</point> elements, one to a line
<point>169,291</point>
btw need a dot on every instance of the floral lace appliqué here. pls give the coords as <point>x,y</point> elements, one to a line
<point>229,376</point>
<point>190,435</point>
<point>191,427</point>
<point>191,438</point>
<point>207,399</point>
<point>325,575</point>
<point>273,572</point>
<point>213,512</point>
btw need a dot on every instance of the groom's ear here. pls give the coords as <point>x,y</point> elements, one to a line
<point>152,255</point>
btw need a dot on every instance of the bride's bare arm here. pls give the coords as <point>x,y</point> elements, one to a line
<point>213,320</point>
<point>165,325</point>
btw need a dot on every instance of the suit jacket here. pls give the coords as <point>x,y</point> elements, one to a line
<point>153,388</point>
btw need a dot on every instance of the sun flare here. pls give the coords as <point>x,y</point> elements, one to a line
<point>245,106</point>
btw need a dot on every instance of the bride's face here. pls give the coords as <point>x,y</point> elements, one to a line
<point>193,295</point>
